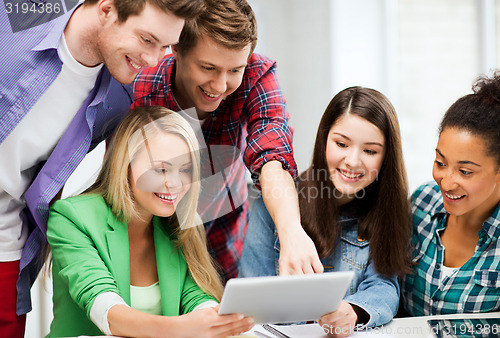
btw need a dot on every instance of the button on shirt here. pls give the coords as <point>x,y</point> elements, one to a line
<point>474,287</point>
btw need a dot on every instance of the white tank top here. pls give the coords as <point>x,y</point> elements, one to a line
<point>146,298</point>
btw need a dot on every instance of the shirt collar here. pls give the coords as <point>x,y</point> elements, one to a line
<point>170,70</point>
<point>491,226</point>
<point>51,41</point>
<point>438,205</point>
<point>438,212</point>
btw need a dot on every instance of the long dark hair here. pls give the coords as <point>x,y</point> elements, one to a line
<point>385,207</point>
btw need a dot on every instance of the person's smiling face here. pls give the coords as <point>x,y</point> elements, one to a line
<point>355,151</point>
<point>207,73</point>
<point>161,174</point>
<point>128,47</point>
<point>469,179</point>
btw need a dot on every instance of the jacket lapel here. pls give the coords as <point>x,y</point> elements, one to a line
<point>169,271</point>
<point>118,246</point>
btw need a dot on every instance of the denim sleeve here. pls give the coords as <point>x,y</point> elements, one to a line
<point>378,295</point>
<point>261,248</point>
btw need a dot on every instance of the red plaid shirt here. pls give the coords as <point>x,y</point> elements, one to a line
<point>254,120</point>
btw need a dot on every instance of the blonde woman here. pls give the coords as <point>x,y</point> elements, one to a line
<point>129,255</point>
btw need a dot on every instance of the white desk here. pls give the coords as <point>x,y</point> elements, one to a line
<point>418,327</point>
<point>409,327</point>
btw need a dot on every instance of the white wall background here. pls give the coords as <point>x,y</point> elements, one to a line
<point>422,54</point>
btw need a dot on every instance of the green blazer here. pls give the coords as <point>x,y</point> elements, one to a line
<point>90,250</point>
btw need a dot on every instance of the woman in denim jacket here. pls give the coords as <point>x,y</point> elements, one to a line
<point>353,205</point>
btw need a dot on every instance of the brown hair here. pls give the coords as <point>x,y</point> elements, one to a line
<point>231,23</point>
<point>384,207</point>
<point>185,9</point>
<point>479,114</point>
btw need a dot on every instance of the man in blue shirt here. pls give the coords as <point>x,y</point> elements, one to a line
<point>64,69</point>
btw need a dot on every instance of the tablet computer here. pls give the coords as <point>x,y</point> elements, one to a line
<point>285,299</point>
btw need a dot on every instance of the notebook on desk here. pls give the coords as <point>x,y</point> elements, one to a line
<point>285,299</point>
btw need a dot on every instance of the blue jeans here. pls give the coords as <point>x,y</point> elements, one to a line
<point>377,294</point>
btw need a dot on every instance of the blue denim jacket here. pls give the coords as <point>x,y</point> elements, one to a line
<point>378,295</point>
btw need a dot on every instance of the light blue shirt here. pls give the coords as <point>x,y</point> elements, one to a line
<point>29,64</point>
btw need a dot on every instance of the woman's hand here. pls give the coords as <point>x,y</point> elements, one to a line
<point>208,323</point>
<point>339,323</point>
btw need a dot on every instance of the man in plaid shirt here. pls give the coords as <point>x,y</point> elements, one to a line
<point>243,118</point>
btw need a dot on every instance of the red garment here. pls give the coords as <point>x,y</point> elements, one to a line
<point>11,325</point>
<point>254,122</point>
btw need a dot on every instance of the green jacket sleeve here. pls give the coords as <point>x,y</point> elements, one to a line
<point>192,295</point>
<point>76,258</point>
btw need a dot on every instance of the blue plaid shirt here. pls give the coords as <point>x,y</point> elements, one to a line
<point>474,287</point>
